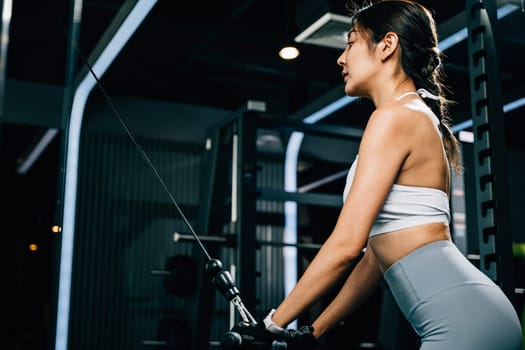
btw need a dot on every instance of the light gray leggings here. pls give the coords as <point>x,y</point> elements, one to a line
<point>450,303</point>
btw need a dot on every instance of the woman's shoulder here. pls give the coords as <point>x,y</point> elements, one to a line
<point>400,117</point>
<point>399,112</point>
<point>393,117</point>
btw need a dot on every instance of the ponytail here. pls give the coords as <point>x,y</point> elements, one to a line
<point>430,78</point>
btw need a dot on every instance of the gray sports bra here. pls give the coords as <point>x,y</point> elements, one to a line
<point>406,206</point>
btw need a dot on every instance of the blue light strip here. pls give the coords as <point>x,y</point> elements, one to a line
<point>292,155</point>
<point>506,10</point>
<point>290,212</point>
<point>329,109</point>
<point>7,14</point>
<point>462,34</point>
<point>37,151</point>
<point>453,39</point>
<point>128,27</point>
<point>514,105</point>
<point>290,185</point>
<point>461,126</point>
<point>506,108</point>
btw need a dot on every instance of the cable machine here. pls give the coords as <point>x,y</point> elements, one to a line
<point>229,195</point>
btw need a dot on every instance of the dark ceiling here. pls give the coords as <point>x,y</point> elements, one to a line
<point>220,54</point>
<point>213,53</point>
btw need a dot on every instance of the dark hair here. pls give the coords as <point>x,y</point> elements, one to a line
<point>420,56</point>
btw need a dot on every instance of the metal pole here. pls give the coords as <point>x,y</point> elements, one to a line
<point>493,224</point>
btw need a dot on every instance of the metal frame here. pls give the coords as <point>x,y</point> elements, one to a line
<point>493,225</point>
<point>229,184</point>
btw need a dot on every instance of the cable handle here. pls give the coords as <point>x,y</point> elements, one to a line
<point>223,281</point>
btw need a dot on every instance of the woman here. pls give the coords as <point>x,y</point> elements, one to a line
<point>396,200</point>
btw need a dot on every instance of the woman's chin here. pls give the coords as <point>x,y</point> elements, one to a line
<point>353,91</point>
<point>350,91</point>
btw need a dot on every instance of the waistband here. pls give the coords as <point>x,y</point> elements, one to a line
<point>432,268</point>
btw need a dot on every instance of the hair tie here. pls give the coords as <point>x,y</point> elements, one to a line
<point>438,59</point>
<point>425,94</point>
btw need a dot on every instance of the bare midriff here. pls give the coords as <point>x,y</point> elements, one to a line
<point>392,246</point>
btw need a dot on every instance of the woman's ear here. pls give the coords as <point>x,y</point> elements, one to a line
<point>388,45</point>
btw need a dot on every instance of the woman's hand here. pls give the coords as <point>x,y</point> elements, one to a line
<point>254,335</point>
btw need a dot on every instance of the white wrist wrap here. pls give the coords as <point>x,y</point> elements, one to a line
<point>270,326</point>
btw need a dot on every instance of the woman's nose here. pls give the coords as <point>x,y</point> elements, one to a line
<point>340,59</point>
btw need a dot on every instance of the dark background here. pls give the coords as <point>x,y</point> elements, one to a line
<point>197,62</point>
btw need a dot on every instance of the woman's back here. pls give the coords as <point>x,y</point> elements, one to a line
<point>424,169</point>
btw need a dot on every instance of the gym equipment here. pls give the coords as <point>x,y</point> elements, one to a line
<point>220,278</point>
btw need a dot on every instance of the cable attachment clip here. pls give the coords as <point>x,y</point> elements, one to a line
<point>224,283</point>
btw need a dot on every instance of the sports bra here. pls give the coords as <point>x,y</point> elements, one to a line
<point>406,206</point>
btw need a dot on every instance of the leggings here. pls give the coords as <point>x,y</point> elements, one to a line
<point>450,303</point>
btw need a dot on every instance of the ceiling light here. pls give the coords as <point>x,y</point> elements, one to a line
<point>289,53</point>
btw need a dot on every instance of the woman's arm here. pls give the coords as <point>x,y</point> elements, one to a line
<point>328,267</point>
<point>357,289</point>
<point>382,152</point>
